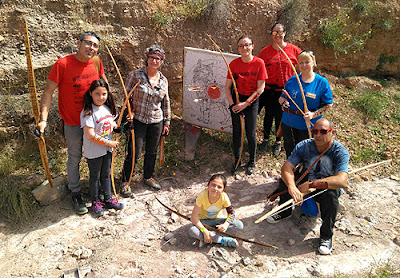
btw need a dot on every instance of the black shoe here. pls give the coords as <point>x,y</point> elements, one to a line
<point>277,148</point>
<point>78,204</point>
<point>325,246</point>
<point>273,219</point>
<point>250,168</point>
<point>235,170</point>
<point>264,146</point>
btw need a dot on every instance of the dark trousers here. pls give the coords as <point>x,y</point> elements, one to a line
<point>150,135</point>
<point>250,124</point>
<point>100,176</point>
<point>292,137</point>
<point>329,205</point>
<point>270,100</point>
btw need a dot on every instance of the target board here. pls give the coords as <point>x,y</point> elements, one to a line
<point>204,100</point>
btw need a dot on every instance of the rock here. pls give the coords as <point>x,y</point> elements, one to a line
<point>2,73</point>
<point>397,240</point>
<point>173,241</point>
<point>259,264</point>
<point>342,208</point>
<point>393,177</point>
<point>291,242</point>
<point>265,174</point>
<point>362,84</point>
<point>168,236</point>
<point>46,195</point>
<point>246,261</point>
<point>274,173</point>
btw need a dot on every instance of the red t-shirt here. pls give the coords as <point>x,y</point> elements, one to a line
<point>278,67</point>
<point>73,78</point>
<point>246,75</point>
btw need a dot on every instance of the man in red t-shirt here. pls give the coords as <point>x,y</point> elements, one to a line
<point>72,75</point>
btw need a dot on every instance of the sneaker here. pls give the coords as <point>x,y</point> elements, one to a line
<point>113,204</point>
<point>97,208</point>
<point>277,148</point>
<point>276,218</point>
<point>264,146</point>
<point>325,246</point>
<point>78,204</point>
<point>250,168</point>
<point>229,242</point>
<point>152,183</point>
<point>126,190</point>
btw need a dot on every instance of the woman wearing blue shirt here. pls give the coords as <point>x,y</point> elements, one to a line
<point>318,95</point>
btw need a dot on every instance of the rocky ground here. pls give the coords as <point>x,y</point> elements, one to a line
<point>131,242</point>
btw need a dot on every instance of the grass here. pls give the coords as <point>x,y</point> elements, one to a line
<point>167,11</point>
<point>370,104</point>
<point>17,203</point>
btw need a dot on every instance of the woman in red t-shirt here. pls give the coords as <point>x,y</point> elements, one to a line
<point>279,71</point>
<point>249,73</point>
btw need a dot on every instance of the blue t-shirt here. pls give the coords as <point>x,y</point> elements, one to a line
<point>317,93</point>
<point>335,160</point>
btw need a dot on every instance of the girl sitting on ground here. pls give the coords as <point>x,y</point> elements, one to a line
<point>97,121</point>
<point>208,210</point>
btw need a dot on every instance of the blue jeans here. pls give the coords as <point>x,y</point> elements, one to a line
<point>250,124</point>
<point>235,226</point>
<point>74,137</point>
<point>100,176</point>
<point>151,134</point>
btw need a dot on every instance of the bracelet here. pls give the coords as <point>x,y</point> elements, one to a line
<point>202,230</point>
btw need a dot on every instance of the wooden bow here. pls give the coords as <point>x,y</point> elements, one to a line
<point>117,135</point>
<point>130,116</point>
<point>216,230</point>
<point>282,207</point>
<point>273,197</point>
<point>308,123</point>
<point>237,100</point>
<point>35,104</point>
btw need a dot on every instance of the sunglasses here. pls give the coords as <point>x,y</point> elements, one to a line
<point>274,33</point>
<point>308,51</point>
<point>322,131</point>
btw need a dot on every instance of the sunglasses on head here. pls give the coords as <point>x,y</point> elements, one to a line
<point>322,131</point>
<point>308,51</point>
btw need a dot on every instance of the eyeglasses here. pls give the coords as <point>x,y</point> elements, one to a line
<point>90,43</point>
<point>155,58</point>
<point>322,131</point>
<point>247,45</point>
<point>274,33</point>
<point>308,51</point>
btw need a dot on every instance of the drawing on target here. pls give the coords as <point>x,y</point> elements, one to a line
<point>204,100</point>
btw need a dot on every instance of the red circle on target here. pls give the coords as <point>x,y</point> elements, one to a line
<point>214,92</point>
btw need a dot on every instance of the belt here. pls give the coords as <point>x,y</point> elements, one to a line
<point>273,87</point>
<point>297,112</point>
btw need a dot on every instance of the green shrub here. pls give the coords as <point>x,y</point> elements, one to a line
<point>17,203</point>
<point>371,104</point>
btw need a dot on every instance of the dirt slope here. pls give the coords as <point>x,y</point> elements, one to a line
<point>130,243</point>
